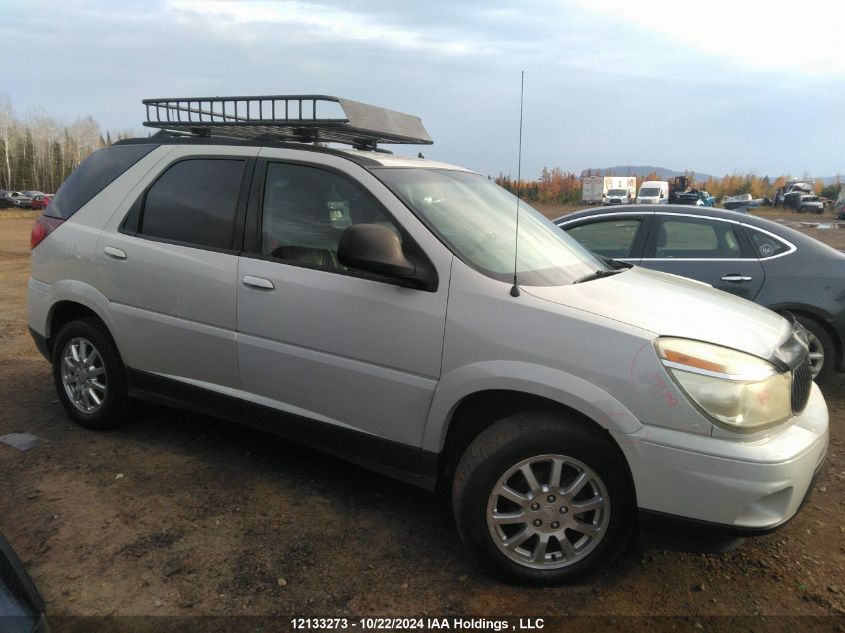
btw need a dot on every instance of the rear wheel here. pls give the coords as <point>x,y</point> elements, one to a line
<point>542,500</point>
<point>88,375</point>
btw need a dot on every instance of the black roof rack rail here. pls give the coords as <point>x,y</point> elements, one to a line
<point>286,118</point>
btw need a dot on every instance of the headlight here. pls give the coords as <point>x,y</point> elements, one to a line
<point>741,391</point>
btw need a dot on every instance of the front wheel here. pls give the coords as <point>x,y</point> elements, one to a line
<point>822,348</point>
<point>88,374</point>
<point>543,500</point>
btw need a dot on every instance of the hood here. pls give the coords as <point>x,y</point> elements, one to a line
<point>668,305</point>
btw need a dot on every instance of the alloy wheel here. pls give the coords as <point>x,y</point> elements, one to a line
<point>84,375</point>
<point>548,512</point>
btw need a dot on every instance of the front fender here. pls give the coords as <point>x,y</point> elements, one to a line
<point>546,382</point>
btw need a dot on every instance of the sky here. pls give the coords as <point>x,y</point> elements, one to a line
<point>715,87</point>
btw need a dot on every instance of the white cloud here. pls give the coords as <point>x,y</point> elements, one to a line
<point>767,36</point>
<point>330,24</point>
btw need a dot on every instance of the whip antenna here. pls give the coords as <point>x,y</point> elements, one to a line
<point>515,288</point>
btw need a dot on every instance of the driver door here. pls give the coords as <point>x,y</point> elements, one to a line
<point>350,356</point>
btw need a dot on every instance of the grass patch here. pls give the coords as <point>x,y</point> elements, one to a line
<point>18,214</point>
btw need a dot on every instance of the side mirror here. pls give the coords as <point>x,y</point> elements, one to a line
<point>374,248</point>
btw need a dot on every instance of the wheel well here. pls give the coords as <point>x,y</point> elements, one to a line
<point>480,410</point>
<point>64,312</point>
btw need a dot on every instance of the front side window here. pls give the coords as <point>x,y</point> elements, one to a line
<point>305,211</point>
<point>693,238</point>
<point>611,238</point>
<point>476,219</point>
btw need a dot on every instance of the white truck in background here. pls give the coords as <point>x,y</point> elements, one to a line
<point>653,192</point>
<point>595,189</point>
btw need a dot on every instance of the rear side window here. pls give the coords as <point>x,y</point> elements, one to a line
<point>194,202</point>
<point>696,238</point>
<point>93,175</point>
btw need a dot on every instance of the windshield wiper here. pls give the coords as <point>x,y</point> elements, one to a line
<point>598,275</point>
<point>616,264</point>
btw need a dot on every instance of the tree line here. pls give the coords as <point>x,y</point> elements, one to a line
<point>37,152</point>
<point>561,187</point>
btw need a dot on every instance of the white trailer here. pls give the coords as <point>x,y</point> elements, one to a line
<point>594,188</point>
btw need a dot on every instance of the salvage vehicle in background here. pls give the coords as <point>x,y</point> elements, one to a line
<point>373,305</point>
<point>15,199</point>
<point>839,205</point>
<point>799,196</point>
<point>743,202</point>
<point>695,197</point>
<point>808,203</point>
<point>753,258</point>
<point>40,201</point>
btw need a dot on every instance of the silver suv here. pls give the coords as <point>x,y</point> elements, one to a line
<point>374,306</point>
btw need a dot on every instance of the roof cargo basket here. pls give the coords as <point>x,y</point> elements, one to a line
<point>302,118</point>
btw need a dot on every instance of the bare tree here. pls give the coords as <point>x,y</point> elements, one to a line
<point>7,123</point>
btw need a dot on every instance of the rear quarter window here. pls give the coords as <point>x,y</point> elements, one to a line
<point>94,174</point>
<point>766,245</point>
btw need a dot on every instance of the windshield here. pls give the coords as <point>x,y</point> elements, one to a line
<point>649,192</point>
<point>617,192</point>
<point>476,219</point>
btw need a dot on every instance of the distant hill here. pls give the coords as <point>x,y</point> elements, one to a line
<point>639,170</point>
<point>664,174</point>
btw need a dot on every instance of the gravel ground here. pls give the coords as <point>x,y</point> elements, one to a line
<point>177,514</point>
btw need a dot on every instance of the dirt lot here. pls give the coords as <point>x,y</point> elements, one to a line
<point>177,514</point>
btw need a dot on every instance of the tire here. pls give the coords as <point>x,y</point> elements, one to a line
<point>536,441</point>
<point>822,348</point>
<point>92,392</point>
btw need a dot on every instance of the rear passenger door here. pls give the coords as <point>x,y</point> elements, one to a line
<point>169,268</point>
<point>715,251</point>
<point>351,356</point>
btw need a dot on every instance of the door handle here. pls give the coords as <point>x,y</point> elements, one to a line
<point>258,282</point>
<point>736,278</point>
<point>114,253</point>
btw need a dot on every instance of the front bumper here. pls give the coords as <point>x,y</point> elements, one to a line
<point>744,487</point>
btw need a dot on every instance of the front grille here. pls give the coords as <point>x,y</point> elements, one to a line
<point>802,382</point>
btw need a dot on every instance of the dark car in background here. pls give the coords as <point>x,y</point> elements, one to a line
<point>695,197</point>
<point>15,199</point>
<point>756,259</point>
